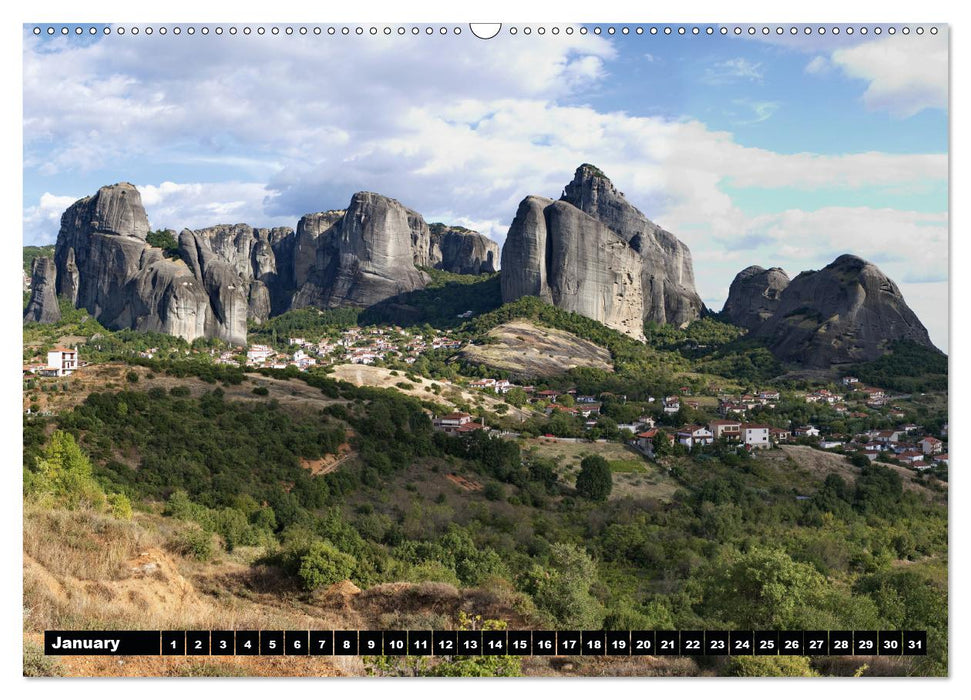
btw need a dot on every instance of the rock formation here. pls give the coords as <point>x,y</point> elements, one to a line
<point>565,257</point>
<point>253,253</point>
<point>581,252</point>
<point>43,307</point>
<point>847,312</point>
<point>667,275</point>
<point>754,296</point>
<point>372,252</point>
<point>228,274</point>
<point>103,264</point>
<point>464,252</point>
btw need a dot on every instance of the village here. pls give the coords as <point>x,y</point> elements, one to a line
<point>743,419</point>
<point>907,443</point>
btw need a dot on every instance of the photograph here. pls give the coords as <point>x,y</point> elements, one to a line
<point>523,349</point>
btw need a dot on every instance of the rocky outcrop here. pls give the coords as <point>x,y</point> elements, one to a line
<point>754,296</point>
<point>594,253</point>
<point>567,258</point>
<point>464,252</point>
<point>369,254</point>
<point>228,274</point>
<point>847,312</point>
<point>43,307</point>
<point>253,253</point>
<point>104,264</point>
<point>667,275</point>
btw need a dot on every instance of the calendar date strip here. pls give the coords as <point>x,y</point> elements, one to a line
<point>484,643</point>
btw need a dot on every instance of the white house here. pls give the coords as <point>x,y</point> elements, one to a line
<point>259,353</point>
<point>691,435</point>
<point>62,361</point>
<point>755,435</point>
<point>931,445</point>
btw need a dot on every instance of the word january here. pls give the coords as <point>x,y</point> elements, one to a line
<point>110,645</point>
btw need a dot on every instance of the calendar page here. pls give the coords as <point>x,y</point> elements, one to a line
<point>520,349</point>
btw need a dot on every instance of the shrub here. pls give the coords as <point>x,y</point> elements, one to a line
<point>261,391</point>
<point>323,565</point>
<point>131,377</point>
<point>180,391</point>
<point>194,542</point>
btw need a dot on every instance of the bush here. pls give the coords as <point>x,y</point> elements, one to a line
<point>323,565</point>
<point>180,391</point>
<point>131,377</point>
<point>194,542</point>
<point>595,481</point>
<point>766,666</point>
<point>261,391</point>
<point>493,491</point>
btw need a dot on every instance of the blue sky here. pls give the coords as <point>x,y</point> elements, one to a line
<point>779,150</point>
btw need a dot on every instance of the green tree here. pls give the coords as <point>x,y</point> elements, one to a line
<point>595,480</point>
<point>65,473</point>
<point>761,589</point>
<point>766,666</point>
<point>562,589</point>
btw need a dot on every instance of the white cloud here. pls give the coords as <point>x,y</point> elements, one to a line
<point>196,205</point>
<point>733,70</point>
<point>906,74</point>
<point>43,220</point>
<point>819,65</point>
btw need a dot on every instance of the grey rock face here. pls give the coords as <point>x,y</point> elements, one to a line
<point>104,265</point>
<point>43,307</point>
<point>464,252</point>
<point>847,312</point>
<point>754,295</point>
<point>560,254</point>
<point>667,275</point>
<point>524,264</point>
<point>372,252</point>
<point>252,253</point>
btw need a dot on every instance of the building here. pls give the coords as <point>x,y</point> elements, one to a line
<point>725,429</point>
<point>755,435</point>
<point>806,431</point>
<point>779,435</point>
<point>691,435</point>
<point>645,441</point>
<point>61,362</point>
<point>259,353</point>
<point>456,422</point>
<point>931,445</point>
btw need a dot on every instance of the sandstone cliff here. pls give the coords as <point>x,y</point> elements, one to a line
<point>560,254</point>
<point>847,312</point>
<point>610,242</point>
<point>754,295</point>
<point>43,307</point>
<point>667,275</point>
<point>228,274</point>
<point>464,252</point>
<point>103,264</point>
<point>372,252</point>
